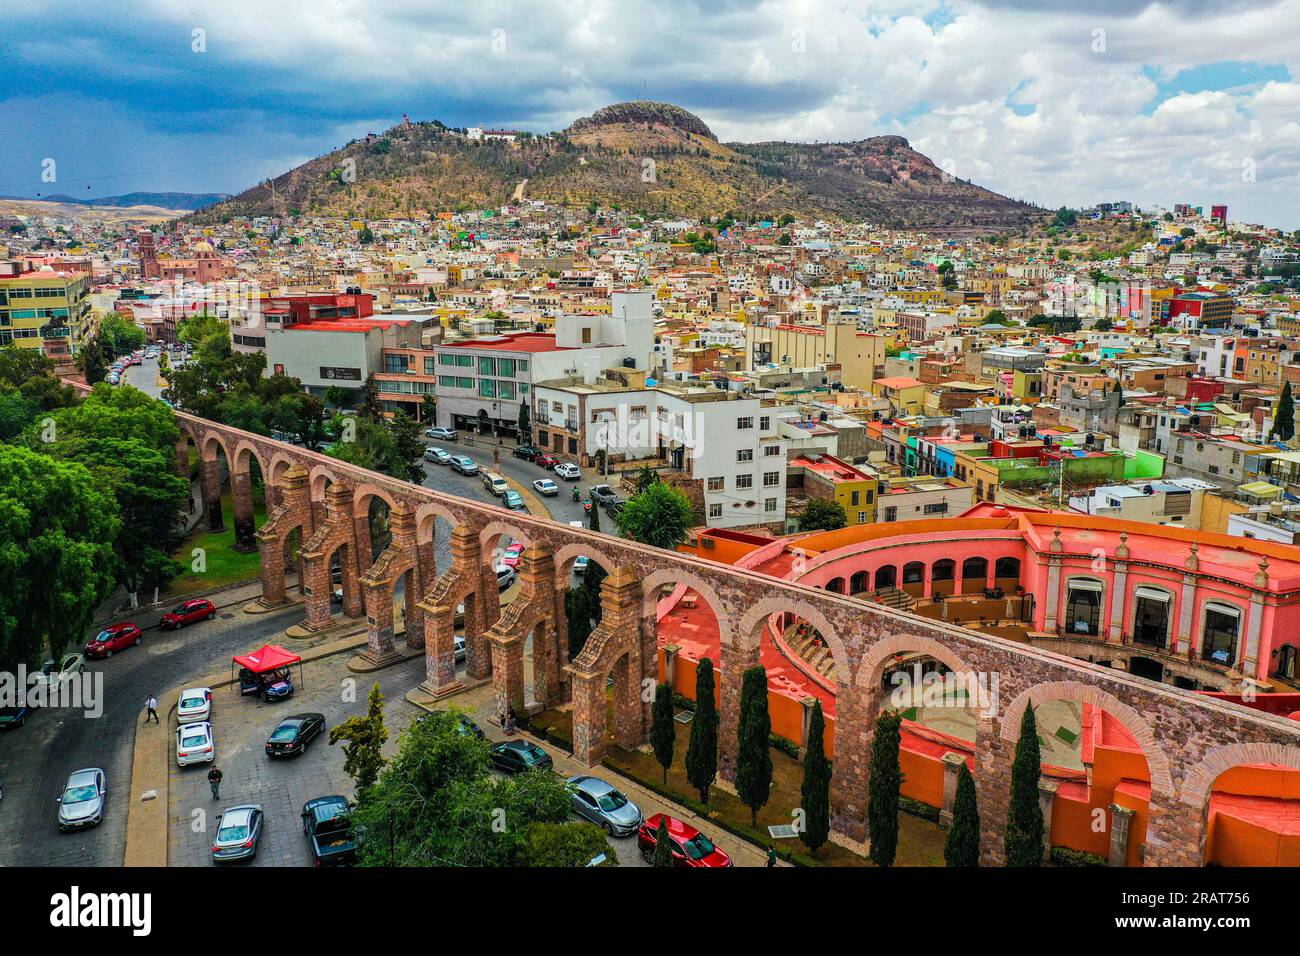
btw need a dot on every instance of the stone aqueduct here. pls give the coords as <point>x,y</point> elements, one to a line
<point>1188,740</point>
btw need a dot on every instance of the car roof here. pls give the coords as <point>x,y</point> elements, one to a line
<point>516,745</point>
<point>80,777</point>
<point>196,690</point>
<point>592,785</point>
<point>239,813</point>
<point>202,725</point>
<point>299,718</point>
<point>677,829</point>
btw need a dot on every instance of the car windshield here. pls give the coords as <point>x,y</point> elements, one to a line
<point>79,794</point>
<point>232,833</point>
<point>103,636</point>
<point>180,610</point>
<point>285,733</point>
<point>699,847</point>
<point>612,801</point>
<point>194,739</point>
<point>533,754</point>
<point>190,702</point>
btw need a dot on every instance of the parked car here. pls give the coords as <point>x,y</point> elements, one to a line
<point>436,455</point>
<point>568,471</point>
<point>195,744</point>
<point>293,734</point>
<point>527,452</point>
<point>58,672</point>
<point>113,639</point>
<point>690,847</point>
<point>194,705</point>
<point>458,647</point>
<point>239,829</point>
<point>495,483</point>
<point>603,805</point>
<point>464,465</point>
<point>82,803</point>
<point>327,824</point>
<point>546,461</point>
<point>16,716</point>
<point>580,564</point>
<point>544,486</point>
<point>273,685</point>
<point>516,756</point>
<point>191,612</point>
<point>513,500</point>
<point>511,557</point>
<point>602,494</point>
<point>505,577</point>
<point>443,434</point>
<point>468,728</point>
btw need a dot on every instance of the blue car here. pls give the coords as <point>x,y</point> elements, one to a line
<point>11,717</point>
<point>275,685</point>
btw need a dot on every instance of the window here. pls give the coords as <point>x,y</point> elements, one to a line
<point>744,481</point>
<point>715,511</point>
<point>717,484</point>
<point>742,423</point>
<point>506,368</point>
<point>938,508</point>
<point>465,361</point>
<point>487,388</point>
<point>428,365</point>
<point>771,479</point>
<point>1151,617</point>
<point>891,513</point>
<point>1083,607</point>
<point>769,505</point>
<point>765,422</point>
<point>771,451</point>
<point>395,363</point>
<point>853,498</point>
<point>487,365</point>
<point>521,365</point>
<point>862,517</point>
<point>506,390</point>
<point>1219,638</point>
<point>745,454</point>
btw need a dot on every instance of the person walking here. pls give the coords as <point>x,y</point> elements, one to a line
<point>214,778</point>
<point>152,705</point>
<point>771,856</point>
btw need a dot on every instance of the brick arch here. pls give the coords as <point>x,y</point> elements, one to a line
<point>497,528</point>
<point>749,630</point>
<point>427,513</point>
<point>280,463</point>
<point>873,664</point>
<point>571,551</point>
<point>243,452</point>
<point>207,444</point>
<point>362,493</point>
<point>319,474</point>
<point>1134,723</point>
<point>651,584</point>
<point>1200,779</point>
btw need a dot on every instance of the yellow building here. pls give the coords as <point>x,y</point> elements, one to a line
<point>828,478</point>
<point>45,310</point>
<point>860,355</point>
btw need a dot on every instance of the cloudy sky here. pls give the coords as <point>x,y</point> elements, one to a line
<point>1050,100</point>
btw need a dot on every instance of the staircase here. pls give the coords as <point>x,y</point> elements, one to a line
<point>811,651</point>
<point>896,598</point>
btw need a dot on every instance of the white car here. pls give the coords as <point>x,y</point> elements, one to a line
<point>580,564</point>
<point>194,705</point>
<point>459,648</point>
<point>505,576</point>
<point>495,483</point>
<point>444,434</point>
<point>194,744</point>
<point>544,486</point>
<point>438,456</point>
<point>568,471</point>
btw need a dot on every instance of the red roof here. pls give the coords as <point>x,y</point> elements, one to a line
<point>346,325</point>
<point>519,342</point>
<point>269,658</point>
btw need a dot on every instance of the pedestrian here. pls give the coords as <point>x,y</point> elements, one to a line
<point>214,778</point>
<point>771,856</point>
<point>510,723</point>
<point>152,704</point>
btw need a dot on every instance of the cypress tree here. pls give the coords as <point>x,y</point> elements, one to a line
<point>593,517</point>
<point>886,780</point>
<point>662,733</point>
<point>1025,816</point>
<point>963,845</point>
<point>816,790</point>
<point>702,751</point>
<point>1284,420</point>
<point>753,759</point>
<point>663,849</point>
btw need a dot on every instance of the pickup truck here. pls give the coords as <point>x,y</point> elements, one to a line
<point>602,495</point>
<point>327,824</point>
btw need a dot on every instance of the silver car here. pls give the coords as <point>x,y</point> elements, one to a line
<point>604,805</point>
<point>82,803</point>
<point>239,829</point>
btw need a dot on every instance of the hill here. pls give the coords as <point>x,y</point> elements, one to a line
<point>645,157</point>
<point>184,201</point>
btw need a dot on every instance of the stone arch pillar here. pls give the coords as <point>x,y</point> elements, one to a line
<point>736,659</point>
<point>1176,832</point>
<point>993,758</point>
<point>530,613</point>
<point>183,457</point>
<point>293,512</point>
<point>241,488</point>
<point>210,489</point>
<point>856,710</point>
<point>457,585</point>
<point>379,584</point>
<point>335,533</point>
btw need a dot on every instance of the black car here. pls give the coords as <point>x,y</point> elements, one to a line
<point>468,728</point>
<point>527,452</point>
<point>293,734</point>
<point>516,756</point>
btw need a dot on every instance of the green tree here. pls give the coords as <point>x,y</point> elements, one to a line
<point>371,407</point>
<point>753,757</point>
<point>1284,420</point>
<point>56,553</point>
<point>94,360</point>
<point>120,335</point>
<point>429,409</point>
<point>886,781</point>
<point>564,844</point>
<point>962,848</point>
<point>663,733</point>
<point>816,789</point>
<point>702,751</point>
<point>337,396</point>
<point>659,516</point>
<point>363,757</point>
<point>821,514</point>
<point>1024,843</point>
<point>525,423</point>
<point>646,477</point>
<point>663,845</point>
<point>593,518</point>
<point>577,617</point>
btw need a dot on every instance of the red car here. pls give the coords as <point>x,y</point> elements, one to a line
<point>114,638</point>
<point>188,613</point>
<point>546,461</point>
<point>690,846</point>
<point>512,556</point>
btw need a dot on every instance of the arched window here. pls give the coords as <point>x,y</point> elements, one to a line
<point>943,570</point>
<point>913,572</point>
<point>836,585</point>
<point>1007,568</point>
<point>974,568</point>
<point>886,577</point>
<point>1151,617</point>
<point>858,583</point>
<point>1220,632</point>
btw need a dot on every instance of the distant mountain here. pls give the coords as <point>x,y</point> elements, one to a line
<point>189,201</point>
<point>646,157</point>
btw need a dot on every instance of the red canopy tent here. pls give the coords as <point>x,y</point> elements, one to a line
<point>268,658</point>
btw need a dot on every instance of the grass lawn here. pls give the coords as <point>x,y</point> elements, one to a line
<point>920,842</point>
<point>224,565</point>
